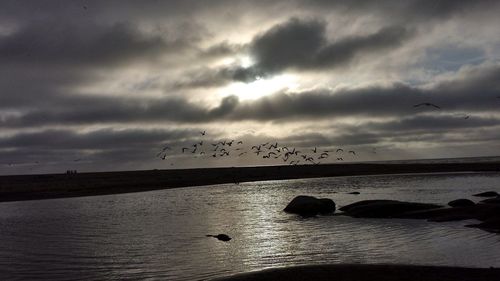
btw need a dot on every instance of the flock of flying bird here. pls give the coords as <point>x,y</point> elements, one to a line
<point>268,150</point>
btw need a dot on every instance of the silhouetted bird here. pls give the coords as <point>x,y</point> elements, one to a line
<point>240,142</point>
<point>352,152</point>
<point>427,104</point>
<point>221,237</point>
<point>340,150</point>
<point>203,133</point>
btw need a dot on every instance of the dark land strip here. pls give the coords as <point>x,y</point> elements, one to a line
<point>34,187</point>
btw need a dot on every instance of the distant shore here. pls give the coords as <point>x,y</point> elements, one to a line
<point>34,187</point>
<point>358,272</point>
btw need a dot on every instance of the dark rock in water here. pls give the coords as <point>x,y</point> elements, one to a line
<point>346,208</point>
<point>310,206</point>
<point>491,225</point>
<point>478,211</point>
<point>385,208</point>
<point>327,206</point>
<point>487,194</point>
<point>221,237</point>
<point>461,203</point>
<point>495,200</point>
<point>354,192</point>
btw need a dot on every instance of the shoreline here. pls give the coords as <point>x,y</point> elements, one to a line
<point>49,186</point>
<point>368,272</point>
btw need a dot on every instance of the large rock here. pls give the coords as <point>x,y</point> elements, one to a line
<point>310,206</point>
<point>384,208</point>
<point>487,194</point>
<point>461,203</point>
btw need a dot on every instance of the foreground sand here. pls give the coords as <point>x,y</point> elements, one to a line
<point>32,187</point>
<point>350,272</point>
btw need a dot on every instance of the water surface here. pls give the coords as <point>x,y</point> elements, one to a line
<point>160,235</point>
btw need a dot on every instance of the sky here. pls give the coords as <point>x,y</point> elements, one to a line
<point>107,85</point>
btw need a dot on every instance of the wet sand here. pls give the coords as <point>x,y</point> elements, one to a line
<point>351,272</point>
<point>33,187</point>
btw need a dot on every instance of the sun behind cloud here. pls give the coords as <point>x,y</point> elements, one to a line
<point>261,87</point>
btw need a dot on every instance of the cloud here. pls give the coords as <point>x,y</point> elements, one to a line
<point>472,90</point>
<point>64,139</point>
<point>300,45</point>
<point>405,10</point>
<point>303,44</point>
<point>51,43</point>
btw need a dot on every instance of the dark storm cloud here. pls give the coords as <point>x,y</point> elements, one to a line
<point>51,43</point>
<point>303,44</point>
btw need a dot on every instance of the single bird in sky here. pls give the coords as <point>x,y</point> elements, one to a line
<point>203,133</point>
<point>427,104</point>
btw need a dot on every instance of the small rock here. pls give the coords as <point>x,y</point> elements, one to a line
<point>495,200</point>
<point>461,203</point>
<point>487,194</point>
<point>491,225</point>
<point>221,237</point>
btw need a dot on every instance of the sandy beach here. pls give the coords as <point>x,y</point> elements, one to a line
<point>357,272</point>
<point>34,187</point>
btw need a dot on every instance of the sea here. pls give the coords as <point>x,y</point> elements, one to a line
<point>161,235</point>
